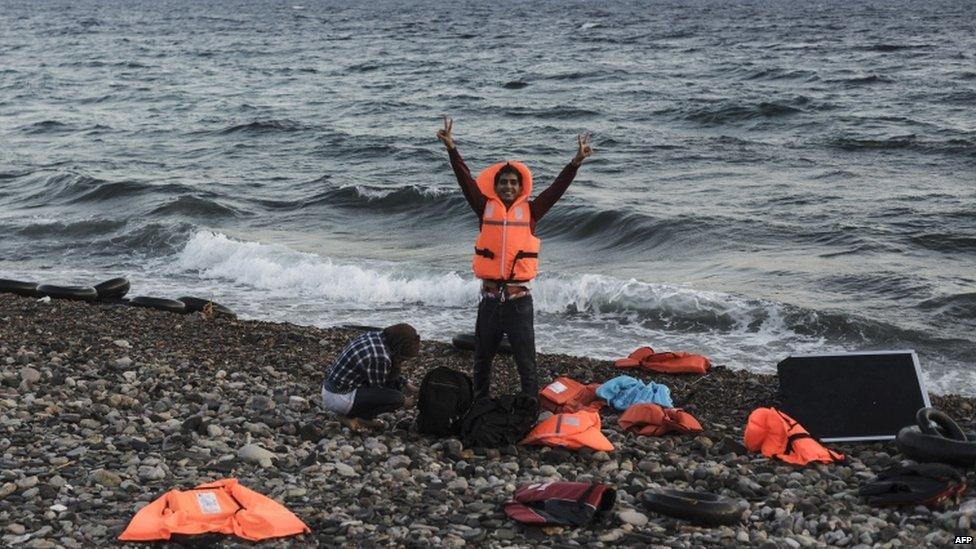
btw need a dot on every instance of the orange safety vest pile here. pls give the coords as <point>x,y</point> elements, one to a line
<point>678,362</point>
<point>654,420</point>
<point>506,249</point>
<point>572,431</point>
<point>568,395</point>
<point>776,434</point>
<point>223,507</point>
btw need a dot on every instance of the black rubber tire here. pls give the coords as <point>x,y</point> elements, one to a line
<point>695,507</point>
<point>925,417</point>
<point>72,293</point>
<point>115,288</point>
<point>26,289</point>
<point>196,304</point>
<point>465,342</point>
<point>159,303</point>
<point>926,448</point>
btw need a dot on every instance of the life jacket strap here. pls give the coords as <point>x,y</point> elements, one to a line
<point>521,254</point>
<point>484,252</point>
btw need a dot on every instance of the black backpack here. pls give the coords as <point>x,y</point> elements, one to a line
<point>445,396</point>
<point>502,421</point>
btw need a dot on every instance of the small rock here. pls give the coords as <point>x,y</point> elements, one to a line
<point>397,462</point>
<point>106,478</point>
<point>27,482</point>
<point>152,473</point>
<point>345,470</point>
<point>453,447</point>
<point>122,343</point>
<point>29,375</point>
<point>7,489</point>
<point>631,516</point>
<point>256,454</point>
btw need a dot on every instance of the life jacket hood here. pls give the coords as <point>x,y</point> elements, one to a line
<point>486,180</point>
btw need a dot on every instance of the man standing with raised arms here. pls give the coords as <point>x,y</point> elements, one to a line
<point>506,255</point>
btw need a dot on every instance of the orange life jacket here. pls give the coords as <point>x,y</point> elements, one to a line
<point>572,431</point>
<point>776,434</point>
<point>568,395</point>
<point>223,507</point>
<point>654,420</point>
<point>678,362</point>
<point>506,249</point>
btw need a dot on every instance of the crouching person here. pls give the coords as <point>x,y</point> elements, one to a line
<point>365,381</point>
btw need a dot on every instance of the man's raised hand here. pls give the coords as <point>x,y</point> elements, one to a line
<point>445,134</point>
<point>584,149</point>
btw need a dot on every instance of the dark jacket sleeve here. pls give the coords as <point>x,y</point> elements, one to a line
<point>541,204</point>
<point>469,186</point>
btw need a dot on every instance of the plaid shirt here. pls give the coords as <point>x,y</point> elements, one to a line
<point>365,362</point>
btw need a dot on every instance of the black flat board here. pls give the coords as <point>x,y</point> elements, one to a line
<point>852,396</point>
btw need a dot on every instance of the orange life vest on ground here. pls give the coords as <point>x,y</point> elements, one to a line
<point>506,249</point>
<point>678,362</point>
<point>568,395</point>
<point>776,434</point>
<point>223,507</point>
<point>654,420</point>
<point>572,431</point>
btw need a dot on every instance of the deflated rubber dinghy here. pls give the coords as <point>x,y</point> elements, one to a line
<point>73,293</point>
<point>466,342</point>
<point>196,304</point>
<point>696,507</point>
<point>115,288</point>
<point>943,442</point>
<point>159,303</point>
<point>26,289</point>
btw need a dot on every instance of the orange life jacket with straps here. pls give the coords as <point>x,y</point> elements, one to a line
<point>506,249</point>
<point>572,431</point>
<point>776,434</point>
<point>653,420</point>
<point>223,507</point>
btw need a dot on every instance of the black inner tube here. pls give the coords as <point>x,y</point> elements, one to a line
<point>76,293</point>
<point>17,287</point>
<point>112,289</point>
<point>946,426</point>
<point>697,507</point>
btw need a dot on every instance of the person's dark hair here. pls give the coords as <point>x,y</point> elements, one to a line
<point>403,341</point>
<point>508,168</point>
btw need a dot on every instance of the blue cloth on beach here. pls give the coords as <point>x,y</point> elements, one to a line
<point>623,392</point>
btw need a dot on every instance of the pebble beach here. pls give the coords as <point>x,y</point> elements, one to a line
<point>104,408</point>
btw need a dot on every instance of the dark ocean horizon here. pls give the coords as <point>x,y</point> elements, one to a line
<point>768,179</point>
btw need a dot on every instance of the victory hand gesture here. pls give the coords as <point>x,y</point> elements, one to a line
<point>445,134</point>
<point>584,148</point>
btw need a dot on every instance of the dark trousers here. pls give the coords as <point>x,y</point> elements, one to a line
<point>373,401</point>
<point>516,319</point>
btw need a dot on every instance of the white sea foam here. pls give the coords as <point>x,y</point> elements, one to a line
<point>280,269</point>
